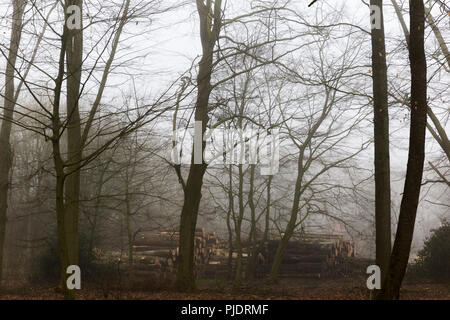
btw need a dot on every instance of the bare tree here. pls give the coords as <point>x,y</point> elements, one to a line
<point>210,24</point>
<point>71,141</point>
<point>8,113</point>
<point>314,132</point>
<point>381,142</point>
<point>408,209</point>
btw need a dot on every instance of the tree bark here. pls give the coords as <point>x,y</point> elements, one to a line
<point>192,195</point>
<point>74,60</point>
<point>259,246</point>
<point>59,169</point>
<point>238,228</point>
<point>230,214</point>
<point>408,208</point>
<point>290,228</point>
<point>210,23</point>
<point>8,114</point>
<point>381,141</point>
<point>130,238</point>
<point>252,246</point>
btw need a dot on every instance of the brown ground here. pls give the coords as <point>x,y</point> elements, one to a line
<point>298,289</point>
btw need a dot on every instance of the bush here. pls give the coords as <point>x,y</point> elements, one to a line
<point>433,261</point>
<point>46,265</point>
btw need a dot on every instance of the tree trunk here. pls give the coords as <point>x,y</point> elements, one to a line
<point>252,246</point>
<point>192,195</point>
<point>60,174</point>
<point>290,228</point>
<point>259,246</point>
<point>74,56</point>
<point>278,258</point>
<point>8,113</point>
<point>408,208</point>
<point>130,237</point>
<point>209,32</point>
<point>381,139</point>
<point>230,213</point>
<point>238,229</point>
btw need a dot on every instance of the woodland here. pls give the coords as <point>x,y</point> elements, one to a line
<point>224,149</point>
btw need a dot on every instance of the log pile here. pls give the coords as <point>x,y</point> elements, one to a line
<point>217,267</point>
<point>310,256</point>
<point>158,251</point>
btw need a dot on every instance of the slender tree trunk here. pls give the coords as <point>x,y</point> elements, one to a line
<point>408,208</point>
<point>61,226</point>
<point>438,35</point>
<point>130,238</point>
<point>230,213</point>
<point>399,14</point>
<point>93,229</point>
<point>290,228</point>
<point>252,246</point>
<point>238,229</point>
<point>238,220</point>
<point>381,138</point>
<point>60,174</point>
<point>210,23</point>
<point>74,56</point>
<point>8,113</point>
<point>273,277</point>
<point>439,133</point>
<point>259,246</point>
<point>192,195</point>
<point>267,220</point>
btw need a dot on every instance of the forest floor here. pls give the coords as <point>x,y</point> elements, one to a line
<point>288,289</point>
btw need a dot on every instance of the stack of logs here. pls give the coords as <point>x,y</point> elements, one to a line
<point>218,266</point>
<point>159,251</point>
<point>311,256</point>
